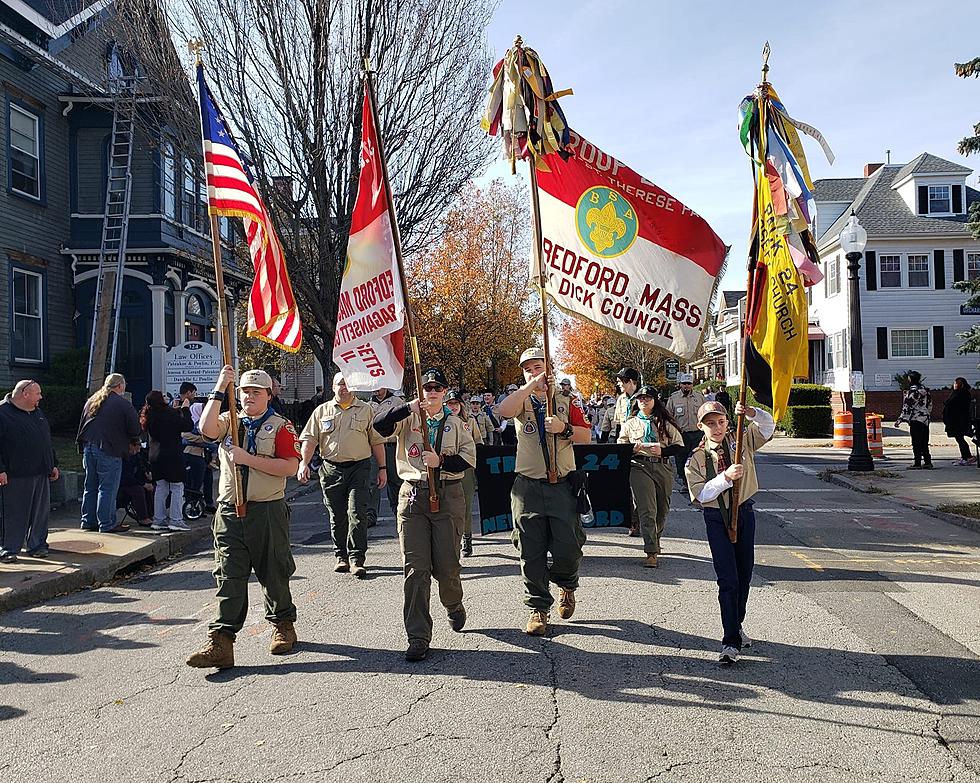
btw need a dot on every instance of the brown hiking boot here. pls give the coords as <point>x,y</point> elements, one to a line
<point>358,570</point>
<point>537,624</point>
<point>342,566</point>
<point>566,603</point>
<point>650,561</point>
<point>218,653</point>
<point>283,638</point>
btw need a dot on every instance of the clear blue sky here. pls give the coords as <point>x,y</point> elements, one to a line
<point>657,84</point>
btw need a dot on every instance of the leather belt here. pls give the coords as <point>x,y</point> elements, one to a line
<point>425,483</point>
<point>664,460</point>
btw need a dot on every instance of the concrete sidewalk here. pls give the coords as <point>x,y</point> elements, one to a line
<point>80,559</point>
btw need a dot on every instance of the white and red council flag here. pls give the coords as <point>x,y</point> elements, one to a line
<point>624,253</point>
<point>369,345</point>
<point>272,313</point>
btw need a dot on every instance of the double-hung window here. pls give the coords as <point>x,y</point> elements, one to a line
<point>910,343</point>
<point>24,143</point>
<point>890,271</point>
<point>27,328</point>
<point>918,271</point>
<point>168,180</point>
<point>973,266</point>
<point>939,199</point>
<point>833,277</point>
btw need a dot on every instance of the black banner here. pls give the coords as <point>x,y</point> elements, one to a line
<point>608,467</point>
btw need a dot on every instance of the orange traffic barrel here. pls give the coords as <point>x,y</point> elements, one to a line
<point>843,437</point>
<point>874,434</point>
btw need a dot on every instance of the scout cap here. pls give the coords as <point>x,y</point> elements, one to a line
<point>476,398</point>
<point>531,353</point>
<point>646,391</point>
<point>256,379</point>
<point>685,377</point>
<point>434,375</point>
<point>709,408</point>
<point>454,395</point>
<point>564,382</point>
<point>629,374</point>
<point>511,387</point>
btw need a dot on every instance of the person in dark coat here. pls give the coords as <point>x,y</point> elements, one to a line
<point>956,417</point>
<point>108,426</point>
<point>136,485</point>
<point>164,425</point>
<point>27,466</point>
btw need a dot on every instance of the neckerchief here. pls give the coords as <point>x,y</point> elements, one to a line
<point>435,426</point>
<point>710,472</point>
<point>540,409</point>
<point>650,435</point>
<point>252,427</point>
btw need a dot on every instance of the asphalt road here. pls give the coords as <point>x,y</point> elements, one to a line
<point>865,666</point>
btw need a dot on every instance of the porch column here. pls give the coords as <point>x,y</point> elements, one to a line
<point>158,348</point>
<point>180,315</point>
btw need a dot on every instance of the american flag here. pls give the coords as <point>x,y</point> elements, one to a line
<point>272,312</point>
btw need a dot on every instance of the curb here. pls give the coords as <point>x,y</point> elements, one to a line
<point>156,549</point>
<point>956,519</point>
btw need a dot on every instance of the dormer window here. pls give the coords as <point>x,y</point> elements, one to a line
<point>939,199</point>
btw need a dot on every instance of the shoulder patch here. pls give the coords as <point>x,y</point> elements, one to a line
<point>529,427</point>
<point>290,428</point>
<point>414,451</point>
<point>466,426</point>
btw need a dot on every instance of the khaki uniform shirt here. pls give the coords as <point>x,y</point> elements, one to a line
<point>530,454</point>
<point>622,409</point>
<point>456,439</point>
<point>685,409</point>
<point>481,427</point>
<point>276,439</point>
<point>343,435</point>
<point>697,474</point>
<point>634,431</point>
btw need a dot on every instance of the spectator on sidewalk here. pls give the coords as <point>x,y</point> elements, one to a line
<point>136,485</point>
<point>956,417</point>
<point>198,453</point>
<point>164,426</point>
<point>108,426</point>
<point>917,410</point>
<point>27,467</point>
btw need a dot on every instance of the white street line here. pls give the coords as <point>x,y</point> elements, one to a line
<point>870,512</point>
<point>810,470</point>
<point>795,489</point>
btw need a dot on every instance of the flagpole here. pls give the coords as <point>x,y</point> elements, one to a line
<point>749,286</point>
<point>551,440</point>
<point>409,317</point>
<point>195,45</point>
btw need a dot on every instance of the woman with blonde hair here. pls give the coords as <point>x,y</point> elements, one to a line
<point>108,426</point>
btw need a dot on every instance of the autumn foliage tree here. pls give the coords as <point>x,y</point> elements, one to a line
<point>470,296</point>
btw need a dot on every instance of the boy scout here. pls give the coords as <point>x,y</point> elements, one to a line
<point>711,471</point>
<point>430,539</point>
<point>655,438</point>
<point>260,541</point>
<point>628,380</point>
<point>545,518</point>
<point>342,429</point>
<point>482,428</point>
<point>454,402</point>
<point>683,405</point>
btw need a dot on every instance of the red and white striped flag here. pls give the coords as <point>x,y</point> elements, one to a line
<point>272,312</point>
<point>369,343</point>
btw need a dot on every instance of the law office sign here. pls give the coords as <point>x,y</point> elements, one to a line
<point>196,362</point>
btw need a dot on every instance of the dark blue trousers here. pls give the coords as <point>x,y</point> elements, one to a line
<point>733,567</point>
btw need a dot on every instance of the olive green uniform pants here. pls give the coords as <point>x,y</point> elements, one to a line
<point>651,483</point>
<point>545,520</point>
<point>469,487</point>
<point>346,496</point>
<point>430,550</point>
<point>260,543</point>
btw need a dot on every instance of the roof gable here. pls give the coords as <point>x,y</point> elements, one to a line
<point>930,164</point>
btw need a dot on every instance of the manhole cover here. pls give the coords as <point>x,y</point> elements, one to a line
<point>78,546</point>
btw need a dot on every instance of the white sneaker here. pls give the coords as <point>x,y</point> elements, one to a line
<point>160,526</point>
<point>746,641</point>
<point>728,654</point>
<point>177,524</point>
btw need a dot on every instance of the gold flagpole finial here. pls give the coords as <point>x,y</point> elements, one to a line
<point>518,41</point>
<point>195,46</point>
<point>765,63</point>
<point>367,65</point>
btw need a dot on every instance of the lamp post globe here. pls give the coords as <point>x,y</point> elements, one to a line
<point>853,239</point>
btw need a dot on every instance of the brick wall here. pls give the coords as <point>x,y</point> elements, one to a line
<point>889,403</point>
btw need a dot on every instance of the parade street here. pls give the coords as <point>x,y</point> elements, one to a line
<point>864,665</point>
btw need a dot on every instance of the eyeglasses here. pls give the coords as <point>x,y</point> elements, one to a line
<point>433,387</point>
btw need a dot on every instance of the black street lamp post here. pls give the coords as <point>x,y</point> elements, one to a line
<point>853,239</point>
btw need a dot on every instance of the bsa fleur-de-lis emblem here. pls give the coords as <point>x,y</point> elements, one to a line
<point>605,221</point>
<point>606,227</point>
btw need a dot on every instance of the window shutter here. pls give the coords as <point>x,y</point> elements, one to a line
<point>938,343</point>
<point>923,199</point>
<point>957,192</point>
<point>959,273</point>
<point>871,271</point>
<point>882,342</point>
<point>939,268</point>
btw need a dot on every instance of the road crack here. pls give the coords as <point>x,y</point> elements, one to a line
<point>556,776</point>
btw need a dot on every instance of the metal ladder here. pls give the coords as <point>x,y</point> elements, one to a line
<point>115,230</point>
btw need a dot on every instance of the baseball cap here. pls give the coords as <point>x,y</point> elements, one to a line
<point>685,377</point>
<point>476,398</point>
<point>531,353</point>
<point>564,382</point>
<point>628,374</point>
<point>454,395</point>
<point>646,391</point>
<point>434,375</point>
<point>711,407</point>
<point>511,387</point>
<point>256,378</point>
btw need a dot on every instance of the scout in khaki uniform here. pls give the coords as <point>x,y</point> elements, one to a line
<point>260,541</point>
<point>455,404</point>
<point>628,381</point>
<point>711,471</point>
<point>430,539</point>
<point>545,518</point>
<point>655,438</point>
<point>482,428</point>
<point>683,405</point>
<point>342,429</point>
